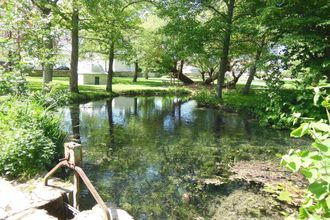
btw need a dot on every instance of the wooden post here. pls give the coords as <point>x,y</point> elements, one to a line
<point>72,160</point>
<point>73,153</point>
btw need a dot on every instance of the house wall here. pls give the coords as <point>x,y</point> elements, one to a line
<point>121,66</point>
<point>89,79</point>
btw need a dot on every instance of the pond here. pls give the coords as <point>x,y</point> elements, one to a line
<point>147,154</point>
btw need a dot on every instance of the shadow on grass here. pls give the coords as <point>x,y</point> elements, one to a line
<point>140,82</point>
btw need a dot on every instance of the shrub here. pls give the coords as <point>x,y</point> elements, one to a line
<point>53,98</point>
<point>206,98</point>
<point>31,138</point>
<point>314,164</point>
<point>12,83</point>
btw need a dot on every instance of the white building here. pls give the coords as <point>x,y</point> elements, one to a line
<point>91,73</point>
<point>121,66</point>
<point>95,72</point>
<point>192,70</point>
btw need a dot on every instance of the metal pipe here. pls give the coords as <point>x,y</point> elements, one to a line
<point>93,191</point>
<point>52,171</point>
<point>73,158</point>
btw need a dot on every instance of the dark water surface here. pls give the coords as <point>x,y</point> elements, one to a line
<point>147,155</point>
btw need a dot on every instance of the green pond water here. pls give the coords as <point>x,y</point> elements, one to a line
<point>147,155</point>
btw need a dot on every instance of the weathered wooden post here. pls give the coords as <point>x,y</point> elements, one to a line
<point>73,153</point>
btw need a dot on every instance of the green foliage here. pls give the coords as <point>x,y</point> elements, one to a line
<point>12,82</point>
<point>206,98</point>
<point>171,91</point>
<point>286,108</point>
<point>55,96</point>
<point>30,137</point>
<point>314,164</point>
<point>304,34</point>
<point>275,107</point>
<point>232,101</point>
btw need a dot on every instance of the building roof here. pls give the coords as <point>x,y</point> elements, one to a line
<point>89,67</point>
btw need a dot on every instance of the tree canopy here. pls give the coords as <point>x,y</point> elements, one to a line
<point>221,38</point>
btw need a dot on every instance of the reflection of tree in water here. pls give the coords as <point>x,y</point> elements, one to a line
<point>153,179</point>
<point>111,141</point>
<point>75,122</point>
<point>150,166</point>
<point>135,106</point>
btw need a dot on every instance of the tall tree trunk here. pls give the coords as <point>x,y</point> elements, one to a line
<point>211,71</point>
<point>74,50</point>
<point>180,72</point>
<point>136,71</point>
<point>226,45</point>
<point>47,71</point>
<point>253,69</point>
<point>19,47</point>
<point>9,65</point>
<point>110,68</point>
<point>203,76</point>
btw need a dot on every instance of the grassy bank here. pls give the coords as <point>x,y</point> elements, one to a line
<point>282,109</point>
<point>279,110</point>
<point>121,86</point>
<point>233,100</point>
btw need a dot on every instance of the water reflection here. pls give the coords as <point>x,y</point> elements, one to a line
<point>75,113</point>
<point>146,154</point>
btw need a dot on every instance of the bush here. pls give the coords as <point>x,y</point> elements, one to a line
<point>12,83</point>
<point>314,164</point>
<point>31,138</point>
<point>206,98</point>
<point>53,98</point>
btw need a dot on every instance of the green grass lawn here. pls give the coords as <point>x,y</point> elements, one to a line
<point>121,86</point>
<point>151,86</point>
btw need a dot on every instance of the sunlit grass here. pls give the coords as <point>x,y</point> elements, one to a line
<point>119,84</point>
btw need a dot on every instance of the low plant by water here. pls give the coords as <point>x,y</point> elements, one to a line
<point>314,164</point>
<point>275,107</point>
<point>30,137</point>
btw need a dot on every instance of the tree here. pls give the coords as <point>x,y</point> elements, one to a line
<point>253,68</point>
<point>71,16</point>
<point>45,7</point>
<point>257,36</point>
<point>136,71</point>
<point>74,48</point>
<point>183,35</point>
<point>225,46</point>
<point>303,31</point>
<point>108,25</point>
